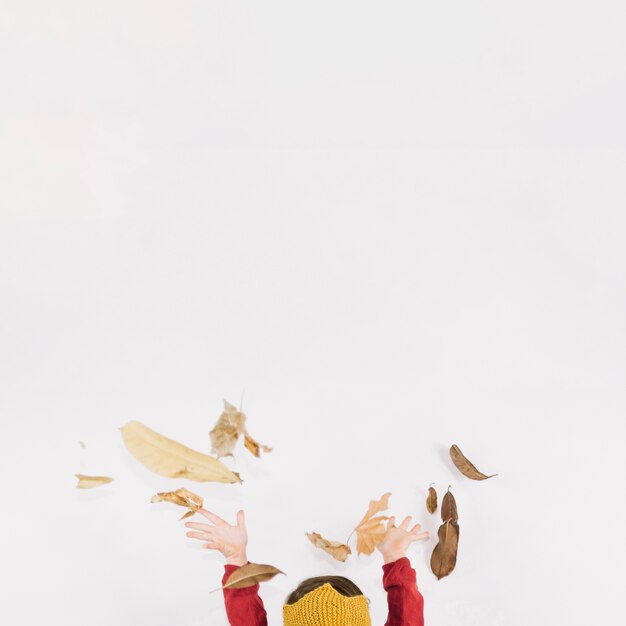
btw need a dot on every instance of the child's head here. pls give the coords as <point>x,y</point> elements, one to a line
<point>326,601</point>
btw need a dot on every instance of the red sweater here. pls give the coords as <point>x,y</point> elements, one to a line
<point>244,607</point>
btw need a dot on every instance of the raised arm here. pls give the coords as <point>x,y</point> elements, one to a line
<point>244,607</point>
<point>406,603</point>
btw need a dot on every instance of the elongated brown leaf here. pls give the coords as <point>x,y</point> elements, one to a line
<point>465,466</point>
<point>448,508</point>
<point>167,457</point>
<point>336,549</point>
<point>431,500</point>
<point>254,446</point>
<point>89,482</point>
<point>371,530</point>
<point>443,558</point>
<point>250,575</point>
<point>180,497</point>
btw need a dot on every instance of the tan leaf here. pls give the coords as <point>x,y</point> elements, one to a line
<point>250,575</point>
<point>181,497</point>
<point>431,500</point>
<point>370,530</point>
<point>448,508</point>
<point>443,558</point>
<point>167,457</point>
<point>230,424</point>
<point>336,549</point>
<point>254,446</point>
<point>82,444</point>
<point>465,466</point>
<point>89,482</point>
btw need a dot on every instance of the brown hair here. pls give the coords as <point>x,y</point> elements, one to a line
<point>342,585</point>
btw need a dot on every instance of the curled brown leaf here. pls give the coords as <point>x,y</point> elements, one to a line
<point>336,549</point>
<point>465,466</point>
<point>431,500</point>
<point>443,558</point>
<point>180,497</point>
<point>448,508</point>
<point>250,574</point>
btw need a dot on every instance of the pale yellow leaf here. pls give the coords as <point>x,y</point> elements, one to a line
<point>336,549</point>
<point>371,530</point>
<point>89,482</point>
<point>167,457</point>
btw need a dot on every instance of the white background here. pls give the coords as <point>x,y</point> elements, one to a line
<point>397,225</point>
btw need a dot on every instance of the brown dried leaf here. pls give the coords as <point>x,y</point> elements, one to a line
<point>250,575</point>
<point>181,497</point>
<point>371,530</point>
<point>465,466</point>
<point>167,457</point>
<point>254,446</point>
<point>448,508</point>
<point>443,558</point>
<point>336,549</point>
<point>89,482</point>
<point>226,431</point>
<point>431,500</point>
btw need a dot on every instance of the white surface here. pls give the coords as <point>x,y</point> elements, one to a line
<point>397,225</point>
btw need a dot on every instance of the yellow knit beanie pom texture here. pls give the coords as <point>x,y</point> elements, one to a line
<point>325,606</point>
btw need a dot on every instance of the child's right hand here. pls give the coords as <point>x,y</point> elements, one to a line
<point>230,540</point>
<point>399,538</point>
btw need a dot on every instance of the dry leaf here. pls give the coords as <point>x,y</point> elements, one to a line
<point>448,508</point>
<point>254,446</point>
<point>181,497</point>
<point>250,575</point>
<point>465,466</point>
<point>336,549</point>
<point>167,457</point>
<point>431,500</point>
<point>371,530</point>
<point>229,427</point>
<point>443,558</point>
<point>89,482</point>
<point>82,444</point>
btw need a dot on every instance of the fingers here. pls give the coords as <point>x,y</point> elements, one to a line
<point>211,516</point>
<point>390,522</point>
<point>207,528</point>
<point>212,546</point>
<point>405,522</point>
<point>416,528</point>
<point>241,519</point>
<point>421,536</point>
<point>201,536</point>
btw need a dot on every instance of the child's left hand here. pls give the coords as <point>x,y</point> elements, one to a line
<point>398,538</point>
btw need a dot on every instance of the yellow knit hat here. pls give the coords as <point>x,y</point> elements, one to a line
<point>325,606</point>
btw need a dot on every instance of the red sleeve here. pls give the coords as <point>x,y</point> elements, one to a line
<point>244,607</point>
<point>406,603</point>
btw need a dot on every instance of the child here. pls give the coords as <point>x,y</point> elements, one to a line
<point>324,600</point>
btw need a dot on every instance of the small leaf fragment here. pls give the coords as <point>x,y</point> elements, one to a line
<point>167,457</point>
<point>431,500</point>
<point>443,558</point>
<point>464,465</point>
<point>180,497</point>
<point>254,446</point>
<point>250,575</point>
<point>336,549</point>
<point>370,531</point>
<point>82,444</point>
<point>89,482</point>
<point>448,508</point>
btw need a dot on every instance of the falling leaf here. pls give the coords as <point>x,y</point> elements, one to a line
<point>249,575</point>
<point>370,531</point>
<point>230,425</point>
<point>254,446</point>
<point>167,457</point>
<point>431,500</point>
<point>448,508</point>
<point>465,466</point>
<point>336,549</point>
<point>82,444</point>
<point>443,558</point>
<point>89,482</point>
<point>181,497</point>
